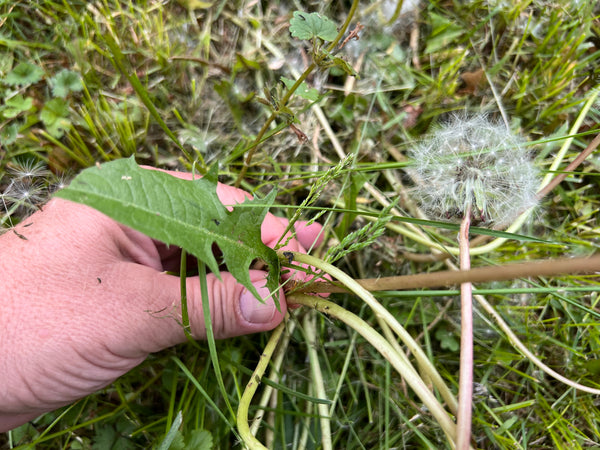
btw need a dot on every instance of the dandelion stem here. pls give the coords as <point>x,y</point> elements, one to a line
<point>242,413</point>
<point>384,314</point>
<point>387,350</point>
<point>465,382</point>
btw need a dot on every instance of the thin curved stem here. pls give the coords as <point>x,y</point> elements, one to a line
<point>310,329</point>
<point>261,367</point>
<point>516,342</point>
<point>385,348</point>
<point>400,331</point>
<point>288,95</point>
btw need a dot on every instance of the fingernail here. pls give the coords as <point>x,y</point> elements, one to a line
<point>255,311</point>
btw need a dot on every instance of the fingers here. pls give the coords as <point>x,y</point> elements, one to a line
<point>154,318</point>
<point>309,235</point>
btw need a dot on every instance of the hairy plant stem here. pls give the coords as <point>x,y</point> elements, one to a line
<point>465,380</point>
<point>385,348</point>
<point>288,95</point>
<point>545,268</point>
<point>384,314</point>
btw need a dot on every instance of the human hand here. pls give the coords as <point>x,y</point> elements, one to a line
<point>85,299</point>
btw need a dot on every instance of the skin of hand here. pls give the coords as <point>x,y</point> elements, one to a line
<point>85,299</point>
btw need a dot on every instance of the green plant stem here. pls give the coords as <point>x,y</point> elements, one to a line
<point>288,95</point>
<point>465,380</point>
<point>210,335</point>
<point>546,268</point>
<point>368,298</point>
<point>185,318</point>
<point>385,348</point>
<point>560,155</point>
<point>396,13</point>
<point>570,168</point>
<point>516,343</point>
<point>273,376</point>
<point>310,331</point>
<point>242,413</point>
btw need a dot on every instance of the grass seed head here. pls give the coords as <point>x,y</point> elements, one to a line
<point>474,162</point>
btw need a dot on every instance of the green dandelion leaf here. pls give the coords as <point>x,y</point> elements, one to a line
<point>185,213</point>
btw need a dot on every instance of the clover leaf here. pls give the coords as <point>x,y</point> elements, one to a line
<point>15,106</point>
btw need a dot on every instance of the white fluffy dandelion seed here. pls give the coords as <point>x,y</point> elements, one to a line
<point>478,163</point>
<point>24,193</point>
<point>28,169</point>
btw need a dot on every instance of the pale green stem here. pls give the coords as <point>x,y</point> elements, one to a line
<point>368,298</point>
<point>516,342</point>
<point>273,376</point>
<point>310,331</point>
<point>465,380</point>
<point>396,13</point>
<point>242,413</point>
<point>388,352</point>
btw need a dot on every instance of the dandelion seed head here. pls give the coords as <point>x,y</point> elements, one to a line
<point>474,163</point>
<point>24,193</point>
<point>27,170</point>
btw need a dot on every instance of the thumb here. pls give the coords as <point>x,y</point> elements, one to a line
<point>234,310</point>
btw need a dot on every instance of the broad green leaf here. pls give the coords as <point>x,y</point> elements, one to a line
<point>54,115</point>
<point>64,82</point>
<point>310,25</point>
<point>8,135</point>
<point>16,105</point>
<point>24,74</point>
<point>303,90</point>
<point>186,213</point>
<point>199,440</point>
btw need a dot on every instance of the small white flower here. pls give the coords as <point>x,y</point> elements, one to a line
<point>476,163</point>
